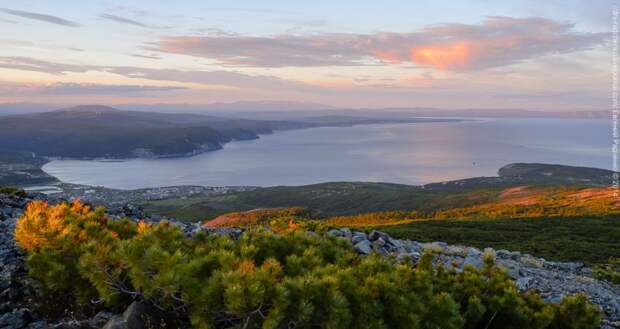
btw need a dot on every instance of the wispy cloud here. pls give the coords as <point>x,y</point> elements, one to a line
<point>31,64</point>
<point>124,20</point>
<point>146,56</point>
<point>40,17</point>
<point>498,41</point>
<point>4,20</point>
<point>81,89</point>
<point>221,78</point>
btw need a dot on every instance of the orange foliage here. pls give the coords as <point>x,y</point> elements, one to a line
<point>42,226</point>
<point>56,227</point>
<point>524,201</point>
<point>256,217</point>
<point>142,227</point>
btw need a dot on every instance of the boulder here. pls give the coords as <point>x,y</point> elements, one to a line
<point>378,243</point>
<point>363,247</point>
<point>347,233</point>
<point>474,258</point>
<point>100,319</point>
<point>137,315</point>
<point>336,232</point>
<point>116,322</point>
<point>358,236</point>
<point>374,235</point>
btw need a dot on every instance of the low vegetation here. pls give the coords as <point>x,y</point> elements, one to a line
<point>258,217</point>
<point>294,278</point>
<point>591,240</point>
<point>528,202</point>
<point>557,223</point>
<point>351,199</point>
<point>325,200</point>
<point>12,191</point>
<point>610,271</point>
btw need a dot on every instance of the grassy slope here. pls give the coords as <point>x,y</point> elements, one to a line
<point>574,221</point>
<point>591,240</point>
<point>347,198</point>
<point>327,199</point>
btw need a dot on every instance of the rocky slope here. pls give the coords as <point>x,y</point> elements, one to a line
<point>553,280</point>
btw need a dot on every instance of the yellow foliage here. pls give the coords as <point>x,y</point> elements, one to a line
<point>142,227</point>
<point>51,227</point>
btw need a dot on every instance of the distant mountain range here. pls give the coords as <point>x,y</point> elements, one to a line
<point>296,110</point>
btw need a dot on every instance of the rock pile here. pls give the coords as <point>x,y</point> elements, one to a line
<point>553,280</point>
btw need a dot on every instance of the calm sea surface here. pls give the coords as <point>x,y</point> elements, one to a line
<point>399,153</point>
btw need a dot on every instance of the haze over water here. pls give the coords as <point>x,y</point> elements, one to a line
<point>399,153</point>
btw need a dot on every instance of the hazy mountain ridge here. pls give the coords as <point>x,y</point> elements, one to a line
<point>100,131</point>
<point>96,131</point>
<point>294,110</point>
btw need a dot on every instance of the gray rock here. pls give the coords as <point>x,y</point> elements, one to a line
<point>474,258</point>
<point>100,319</point>
<point>137,315</point>
<point>116,322</point>
<point>437,247</point>
<point>412,246</point>
<point>347,233</point>
<point>16,319</point>
<point>374,235</point>
<point>530,261</point>
<point>569,267</point>
<point>358,236</point>
<point>336,232</point>
<point>40,325</point>
<point>414,257</point>
<point>363,247</point>
<point>524,283</point>
<point>456,250</point>
<point>394,242</point>
<point>379,242</point>
<point>71,324</point>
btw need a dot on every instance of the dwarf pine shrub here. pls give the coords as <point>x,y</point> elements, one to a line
<point>291,279</point>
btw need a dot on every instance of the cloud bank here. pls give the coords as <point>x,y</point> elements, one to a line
<point>497,41</point>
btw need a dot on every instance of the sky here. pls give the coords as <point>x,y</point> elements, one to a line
<point>546,55</point>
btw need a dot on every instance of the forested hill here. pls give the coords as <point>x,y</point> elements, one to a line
<point>101,131</point>
<point>95,131</point>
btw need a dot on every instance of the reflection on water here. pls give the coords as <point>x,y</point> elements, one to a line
<point>400,153</point>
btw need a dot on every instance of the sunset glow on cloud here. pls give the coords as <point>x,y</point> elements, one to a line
<point>173,54</point>
<point>443,57</point>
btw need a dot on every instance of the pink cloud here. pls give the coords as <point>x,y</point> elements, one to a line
<point>498,41</point>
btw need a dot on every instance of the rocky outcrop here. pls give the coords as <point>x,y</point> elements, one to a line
<point>16,289</point>
<point>553,280</point>
<point>14,312</point>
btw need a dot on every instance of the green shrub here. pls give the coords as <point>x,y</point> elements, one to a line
<point>295,278</point>
<point>609,271</point>
<point>13,191</point>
